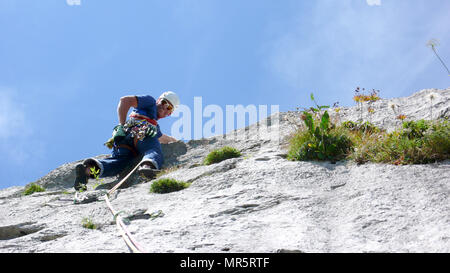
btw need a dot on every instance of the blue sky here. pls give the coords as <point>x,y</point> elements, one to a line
<point>64,67</point>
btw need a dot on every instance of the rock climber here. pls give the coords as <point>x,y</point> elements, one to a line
<point>140,135</point>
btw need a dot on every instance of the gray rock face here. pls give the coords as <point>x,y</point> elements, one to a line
<point>259,202</point>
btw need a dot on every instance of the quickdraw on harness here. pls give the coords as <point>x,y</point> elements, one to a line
<point>139,127</point>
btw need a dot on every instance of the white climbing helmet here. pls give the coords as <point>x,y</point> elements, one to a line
<point>171,97</point>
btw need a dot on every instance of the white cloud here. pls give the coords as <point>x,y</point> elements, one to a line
<point>13,122</point>
<point>342,51</point>
<point>16,131</point>
<point>373,2</point>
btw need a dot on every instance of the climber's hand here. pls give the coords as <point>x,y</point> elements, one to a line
<point>151,130</point>
<point>118,133</point>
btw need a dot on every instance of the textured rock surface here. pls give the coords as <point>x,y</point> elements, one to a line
<point>259,202</point>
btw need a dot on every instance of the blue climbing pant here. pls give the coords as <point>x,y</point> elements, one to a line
<point>121,157</point>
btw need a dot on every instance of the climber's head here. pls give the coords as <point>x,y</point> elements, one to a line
<point>166,104</point>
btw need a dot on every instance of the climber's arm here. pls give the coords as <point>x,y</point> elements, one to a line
<point>125,104</point>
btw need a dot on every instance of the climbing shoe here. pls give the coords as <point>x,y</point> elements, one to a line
<point>147,170</point>
<point>81,178</point>
<point>92,168</point>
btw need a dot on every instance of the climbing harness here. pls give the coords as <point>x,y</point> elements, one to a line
<point>139,129</point>
<point>138,116</point>
<point>138,126</point>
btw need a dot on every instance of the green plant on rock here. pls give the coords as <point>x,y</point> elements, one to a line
<point>437,140</point>
<point>333,146</point>
<point>88,223</point>
<point>364,127</point>
<point>322,140</point>
<point>95,172</point>
<point>415,129</point>
<point>314,128</point>
<point>166,185</point>
<point>417,142</point>
<point>219,155</point>
<point>32,188</point>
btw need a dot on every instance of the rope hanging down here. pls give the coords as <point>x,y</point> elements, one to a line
<point>126,235</point>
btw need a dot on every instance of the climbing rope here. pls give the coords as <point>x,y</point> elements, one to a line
<point>126,235</point>
<point>123,180</point>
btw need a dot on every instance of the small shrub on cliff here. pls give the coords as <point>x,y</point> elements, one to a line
<point>88,223</point>
<point>415,129</point>
<point>364,127</point>
<point>166,185</point>
<point>219,155</point>
<point>321,141</point>
<point>32,188</point>
<point>333,146</point>
<point>417,142</point>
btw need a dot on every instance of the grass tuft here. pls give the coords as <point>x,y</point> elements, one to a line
<point>166,185</point>
<point>32,188</point>
<point>334,145</point>
<point>219,155</point>
<point>417,142</point>
<point>88,223</point>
